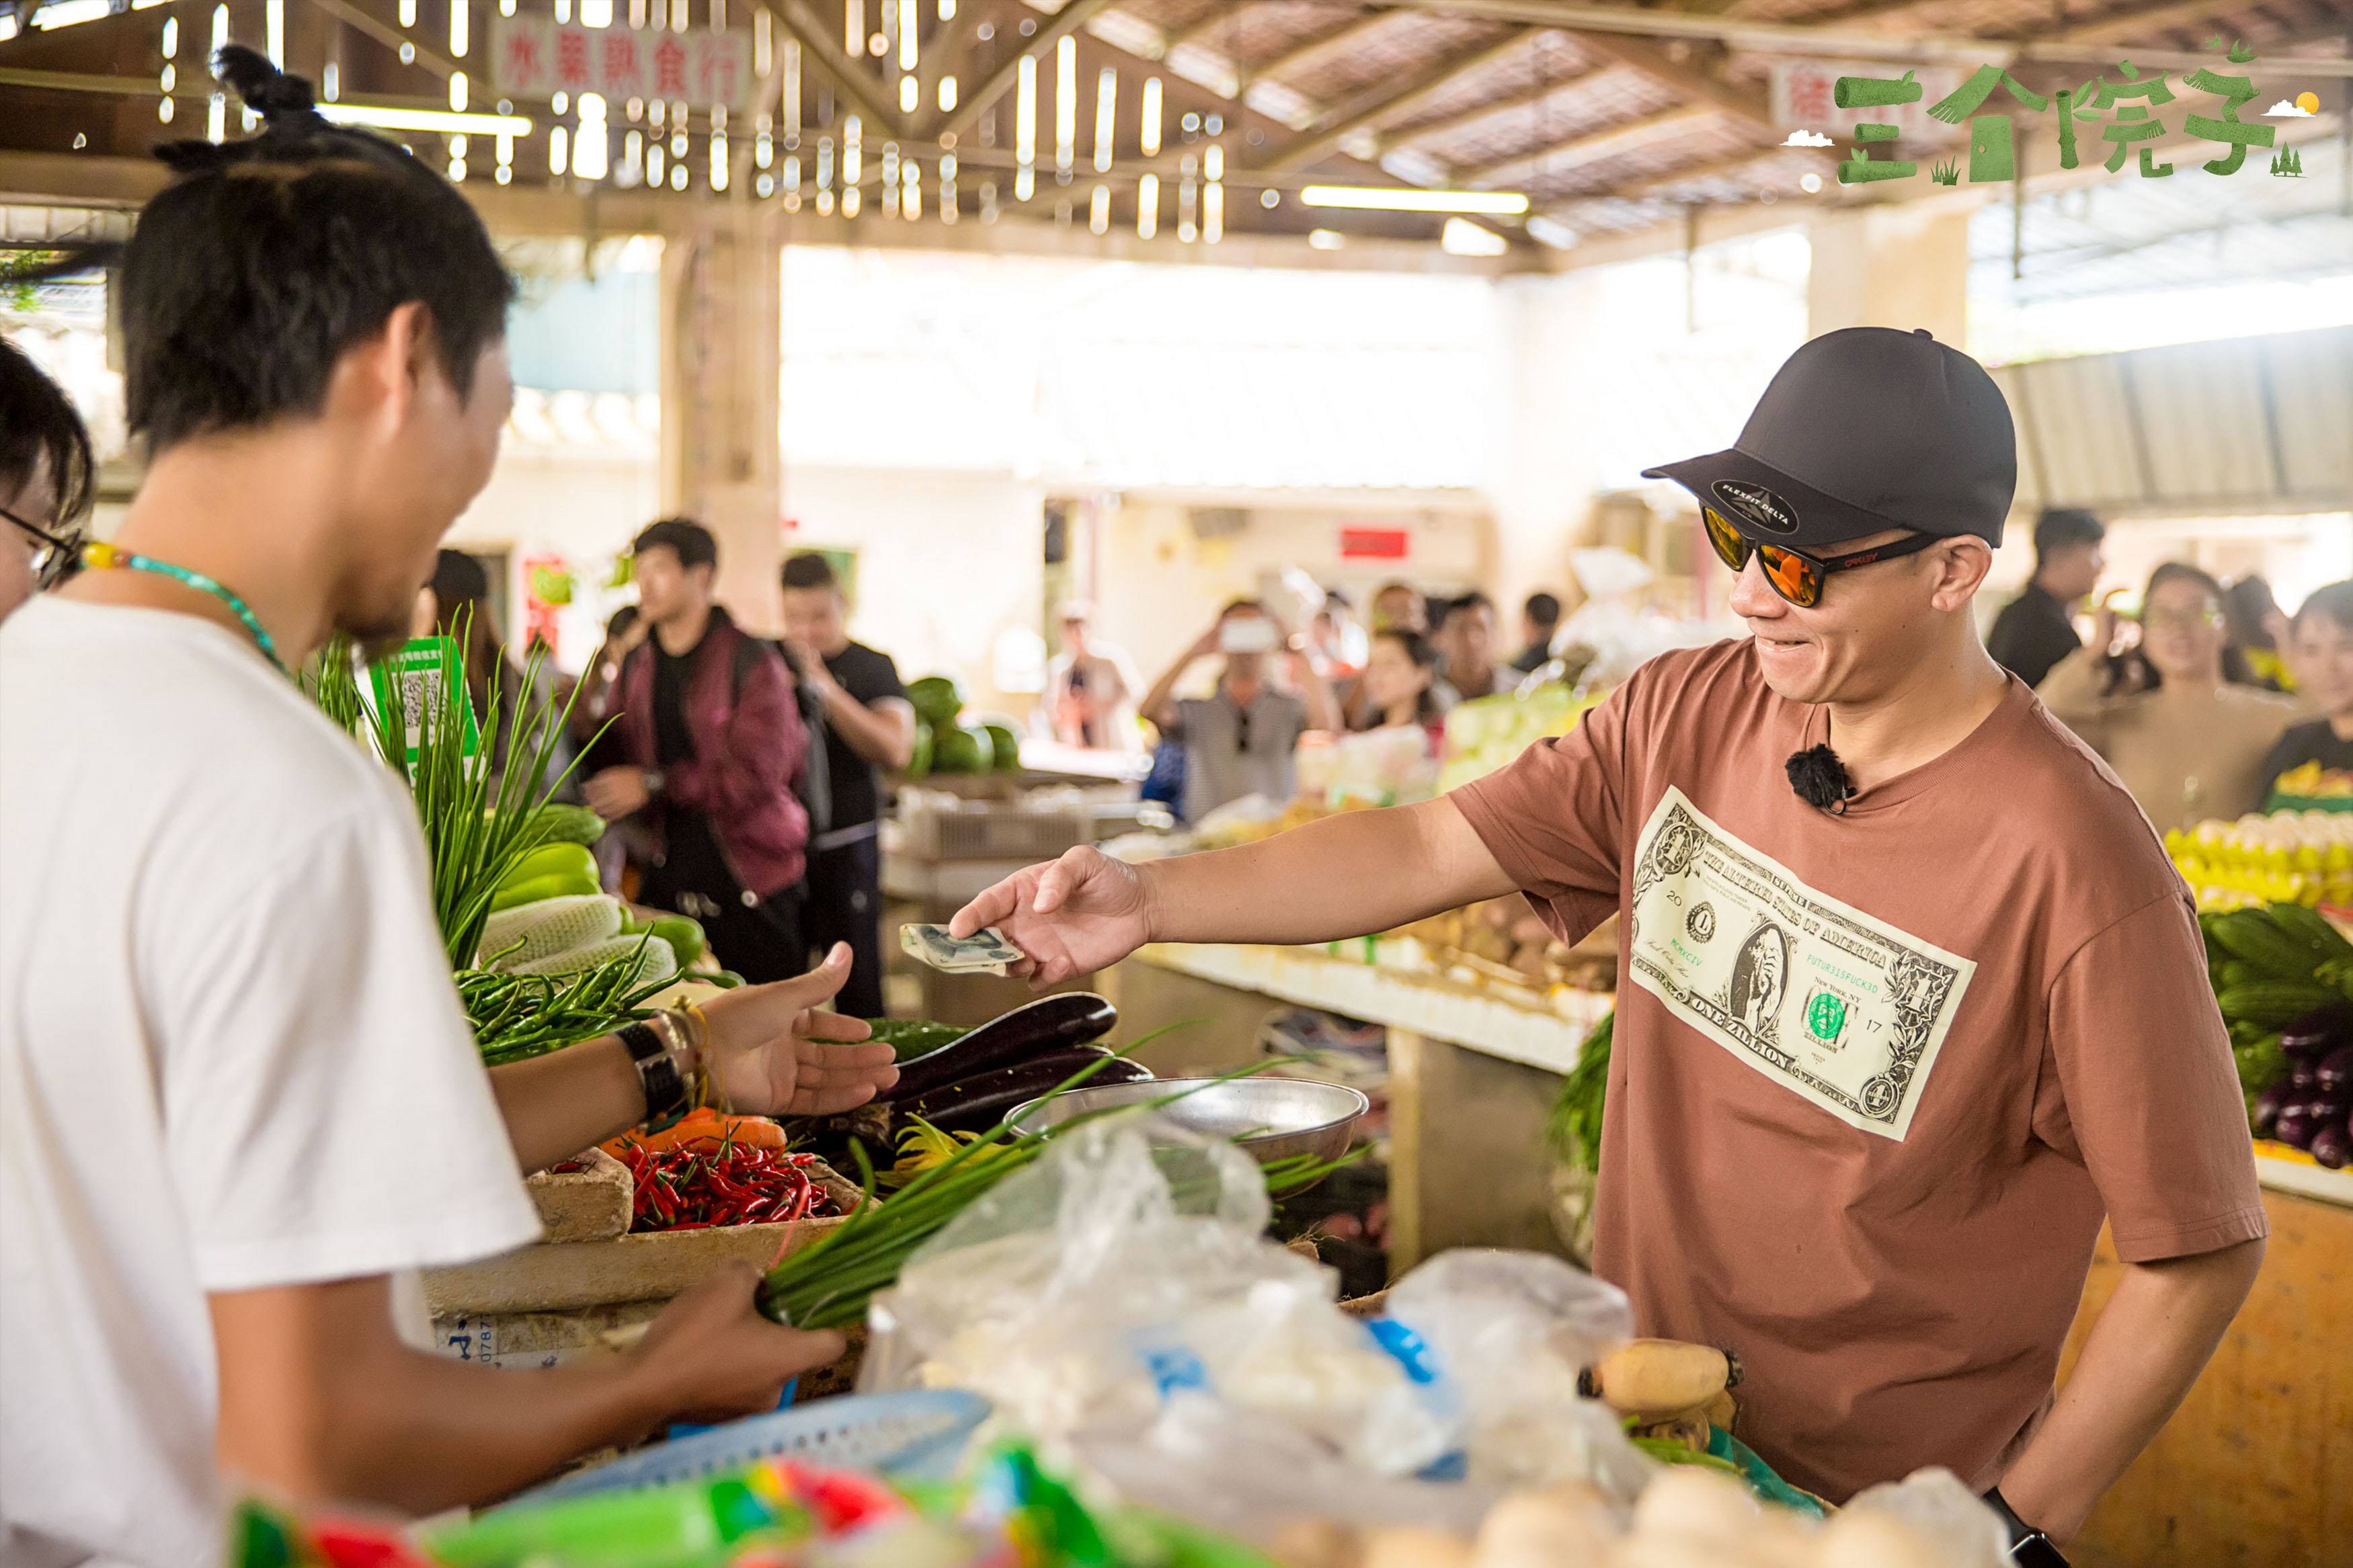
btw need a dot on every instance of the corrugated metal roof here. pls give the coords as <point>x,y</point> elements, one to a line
<point>2256,424</point>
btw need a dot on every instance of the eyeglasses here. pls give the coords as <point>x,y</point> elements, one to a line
<point>1795,575</point>
<point>54,554</point>
<point>2183,620</point>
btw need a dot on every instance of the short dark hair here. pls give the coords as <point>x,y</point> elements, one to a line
<point>1473,600</point>
<point>267,259</point>
<point>2333,603</point>
<point>1543,609</point>
<point>683,537</point>
<point>810,570</point>
<point>2060,526</point>
<point>459,578</point>
<point>1236,606</point>
<point>37,421</point>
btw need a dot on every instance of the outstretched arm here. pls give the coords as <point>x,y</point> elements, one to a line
<point>1360,871</point>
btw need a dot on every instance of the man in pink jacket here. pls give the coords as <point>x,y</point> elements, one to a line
<point>706,719</point>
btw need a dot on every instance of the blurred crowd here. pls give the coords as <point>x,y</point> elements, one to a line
<point>2209,701</point>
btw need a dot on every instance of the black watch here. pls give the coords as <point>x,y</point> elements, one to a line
<point>2027,1545</point>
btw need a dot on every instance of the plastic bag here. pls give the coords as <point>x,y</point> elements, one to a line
<point>1942,1512</point>
<point>1129,1265</point>
<point>1510,1331</point>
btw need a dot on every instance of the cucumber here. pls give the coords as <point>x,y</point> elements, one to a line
<point>1050,1023</point>
<point>2274,1006</point>
<point>2251,936</point>
<point>560,823</point>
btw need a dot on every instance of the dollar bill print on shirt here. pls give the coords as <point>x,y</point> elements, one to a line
<point>1827,1001</point>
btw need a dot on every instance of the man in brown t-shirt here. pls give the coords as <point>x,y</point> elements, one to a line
<point>1909,995</point>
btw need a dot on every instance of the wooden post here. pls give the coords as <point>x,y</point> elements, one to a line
<point>722,288</point>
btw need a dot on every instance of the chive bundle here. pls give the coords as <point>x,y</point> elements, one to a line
<point>827,1284</point>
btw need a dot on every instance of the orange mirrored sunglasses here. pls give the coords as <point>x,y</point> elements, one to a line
<point>1795,575</point>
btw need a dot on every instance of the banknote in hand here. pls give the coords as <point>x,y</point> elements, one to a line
<point>986,951</point>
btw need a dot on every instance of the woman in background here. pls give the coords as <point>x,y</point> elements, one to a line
<point>1401,685</point>
<point>2177,715</point>
<point>47,480</point>
<point>2259,631</point>
<point>2312,762</point>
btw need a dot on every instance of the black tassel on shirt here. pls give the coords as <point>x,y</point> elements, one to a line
<point>1819,779</point>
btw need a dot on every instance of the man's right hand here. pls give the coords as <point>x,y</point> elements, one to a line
<point>711,1357</point>
<point>1072,916</point>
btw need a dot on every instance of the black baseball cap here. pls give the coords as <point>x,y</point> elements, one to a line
<point>1864,429</point>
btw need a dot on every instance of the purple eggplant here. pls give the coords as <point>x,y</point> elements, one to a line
<point>2320,1032</point>
<point>2333,1146</point>
<point>2268,1106</point>
<point>2305,1077</point>
<point>1050,1024</point>
<point>2335,1073</point>
<point>2294,1129</point>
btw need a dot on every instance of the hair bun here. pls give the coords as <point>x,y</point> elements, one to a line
<point>267,90</point>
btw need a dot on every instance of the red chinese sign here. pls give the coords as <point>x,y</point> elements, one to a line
<point>537,57</point>
<point>1374,543</point>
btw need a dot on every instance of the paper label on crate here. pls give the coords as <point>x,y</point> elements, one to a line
<point>1834,1004</point>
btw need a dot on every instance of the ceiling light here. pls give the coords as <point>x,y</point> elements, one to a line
<point>67,13</point>
<point>1326,238</point>
<point>1461,237</point>
<point>440,121</point>
<point>1399,199</point>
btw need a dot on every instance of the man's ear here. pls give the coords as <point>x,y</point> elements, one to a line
<point>1960,564</point>
<point>377,380</point>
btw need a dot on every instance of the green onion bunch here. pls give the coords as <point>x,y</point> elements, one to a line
<point>827,1284</point>
<point>478,820</point>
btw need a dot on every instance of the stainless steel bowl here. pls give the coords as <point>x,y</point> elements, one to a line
<point>1271,1118</point>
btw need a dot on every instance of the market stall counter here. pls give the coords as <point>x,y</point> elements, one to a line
<point>1471,1069</point>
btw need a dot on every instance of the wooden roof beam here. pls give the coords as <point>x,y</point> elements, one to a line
<point>818,44</point>
<point>1053,30</point>
<point>1743,105</point>
<point>1385,100</point>
<point>1715,168</point>
<point>1608,142</point>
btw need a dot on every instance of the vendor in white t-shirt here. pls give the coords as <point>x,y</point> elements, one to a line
<point>238,1099</point>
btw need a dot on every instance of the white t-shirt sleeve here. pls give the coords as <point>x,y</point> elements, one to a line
<point>328,1115</point>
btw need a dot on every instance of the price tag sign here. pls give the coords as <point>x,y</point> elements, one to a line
<point>411,680</point>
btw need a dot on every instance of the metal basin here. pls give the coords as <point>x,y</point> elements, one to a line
<point>1271,1118</point>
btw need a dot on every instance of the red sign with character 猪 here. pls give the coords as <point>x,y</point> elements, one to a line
<point>538,56</point>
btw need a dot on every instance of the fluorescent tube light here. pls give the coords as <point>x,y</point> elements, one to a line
<point>1399,199</point>
<point>443,121</point>
<point>67,13</point>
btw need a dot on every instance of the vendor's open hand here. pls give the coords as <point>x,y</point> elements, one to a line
<point>711,1357</point>
<point>615,792</point>
<point>773,1053</point>
<point>1072,916</point>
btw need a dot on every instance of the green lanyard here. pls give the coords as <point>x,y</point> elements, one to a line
<point>98,556</point>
